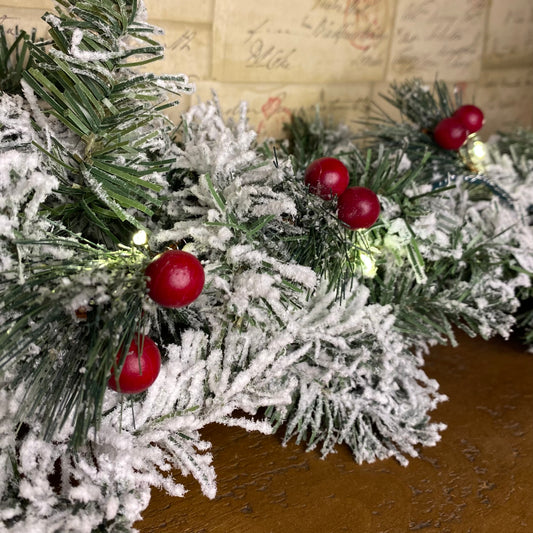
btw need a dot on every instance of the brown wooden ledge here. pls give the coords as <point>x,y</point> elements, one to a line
<point>478,479</point>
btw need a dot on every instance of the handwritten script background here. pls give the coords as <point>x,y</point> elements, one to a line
<point>282,56</point>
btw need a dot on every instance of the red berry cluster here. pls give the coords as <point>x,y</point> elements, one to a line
<point>357,207</point>
<point>174,279</point>
<point>451,132</point>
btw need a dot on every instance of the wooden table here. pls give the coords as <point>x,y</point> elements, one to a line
<point>479,478</point>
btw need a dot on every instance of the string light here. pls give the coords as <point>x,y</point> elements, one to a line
<point>474,153</point>
<point>140,238</point>
<point>364,259</point>
<point>479,150</point>
<point>368,265</point>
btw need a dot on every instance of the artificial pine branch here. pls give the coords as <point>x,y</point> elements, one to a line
<point>421,107</point>
<point>511,153</point>
<point>111,168</point>
<point>100,132</point>
<point>71,294</point>
<point>269,329</point>
<point>310,137</point>
<point>425,306</point>
<point>14,59</point>
<point>315,237</point>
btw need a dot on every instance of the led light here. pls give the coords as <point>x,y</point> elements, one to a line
<point>140,238</point>
<point>368,265</point>
<point>478,150</point>
<point>474,153</point>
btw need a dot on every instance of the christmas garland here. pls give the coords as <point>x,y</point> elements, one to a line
<point>159,277</point>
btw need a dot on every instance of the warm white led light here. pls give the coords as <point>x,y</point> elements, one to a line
<point>368,265</point>
<point>478,150</point>
<point>140,238</point>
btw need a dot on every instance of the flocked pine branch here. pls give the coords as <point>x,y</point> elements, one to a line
<point>201,204</point>
<point>93,297</point>
<point>421,107</point>
<point>358,384</point>
<point>428,235</point>
<point>315,236</point>
<point>83,146</point>
<point>108,159</point>
<point>269,330</point>
<point>510,161</point>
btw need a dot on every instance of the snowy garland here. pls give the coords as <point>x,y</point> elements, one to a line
<point>328,360</point>
<point>332,355</point>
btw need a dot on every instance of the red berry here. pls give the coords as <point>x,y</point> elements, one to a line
<point>450,134</point>
<point>137,373</point>
<point>327,177</point>
<point>471,117</point>
<point>175,279</point>
<point>358,207</point>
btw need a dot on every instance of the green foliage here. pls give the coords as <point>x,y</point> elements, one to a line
<point>420,108</point>
<point>517,147</point>
<point>318,239</point>
<point>62,302</point>
<point>308,138</point>
<point>434,309</point>
<point>101,130</point>
<point>14,58</point>
<point>518,144</point>
<point>426,304</point>
<point>109,168</point>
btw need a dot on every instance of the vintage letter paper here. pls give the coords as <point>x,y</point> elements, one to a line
<point>187,49</point>
<point>438,38</point>
<point>510,32</point>
<point>180,10</point>
<point>302,41</point>
<point>23,19</point>
<point>41,5</point>
<point>505,97</point>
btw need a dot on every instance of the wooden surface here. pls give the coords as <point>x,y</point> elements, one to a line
<point>479,478</point>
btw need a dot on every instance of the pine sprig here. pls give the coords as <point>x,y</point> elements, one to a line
<point>421,108</point>
<point>451,296</point>
<point>517,145</point>
<point>309,138</point>
<point>420,105</point>
<point>86,82</point>
<point>71,294</point>
<point>14,58</point>
<point>316,237</point>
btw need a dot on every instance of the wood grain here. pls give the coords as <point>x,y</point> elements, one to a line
<point>478,479</point>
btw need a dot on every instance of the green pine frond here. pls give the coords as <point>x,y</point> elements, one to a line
<point>420,104</point>
<point>316,238</point>
<point>85,80</point>
<point>421,108</point>
<point>70,294</point>
<point>14,58</point>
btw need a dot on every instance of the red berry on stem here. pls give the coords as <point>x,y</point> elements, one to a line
<point>327,177</point>
<point>138,373</point>
<point>450,134</point>
<point>470,116</point>
<point>175,279</point>
<point>358,207</point>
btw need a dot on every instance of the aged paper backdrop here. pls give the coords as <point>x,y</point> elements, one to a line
<point>282,56</point>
